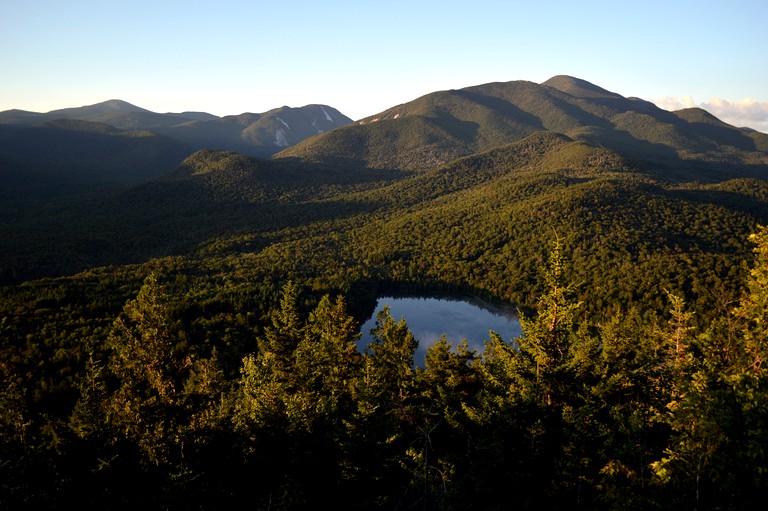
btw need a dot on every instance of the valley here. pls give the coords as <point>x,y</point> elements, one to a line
<point>197,284</point>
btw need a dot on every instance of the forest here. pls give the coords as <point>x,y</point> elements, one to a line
<point>179,327</point>
<point>617,410</point>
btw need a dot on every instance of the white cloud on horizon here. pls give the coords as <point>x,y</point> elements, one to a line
<point>745,113</point>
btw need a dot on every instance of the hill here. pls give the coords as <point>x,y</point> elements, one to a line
<point>94,153</point>
<point>481,223</point>
<point>259,134</point>
<point>106,108</point>
<point>211,195</point>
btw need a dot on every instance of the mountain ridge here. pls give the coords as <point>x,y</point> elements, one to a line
<point>458,122</point>
<point>470,119</point>
<point>255,134</point>
<point>207,190</point>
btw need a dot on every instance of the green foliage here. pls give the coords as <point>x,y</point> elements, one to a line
<point>148,364</point>
<point>218,365</point>
<point>545,347</point>
<point>618,410</point>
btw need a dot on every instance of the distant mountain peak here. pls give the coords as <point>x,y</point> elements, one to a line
<point>196,116</point>
<point>578,88</point>
<point>118,105</point>
<point>442,126</point>
<point>112,106</point>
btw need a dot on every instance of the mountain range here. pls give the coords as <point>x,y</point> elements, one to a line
<point>458,189</point>
<point>431,130</point>
<point>257,134</point>
<point>440,127</point>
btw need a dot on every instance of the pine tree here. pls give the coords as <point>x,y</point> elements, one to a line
<point>164,392</point>
<point>386,416</point>
<point>718,411</point>
<point>532,404</point>
<point>294,404</point>
<point>544,350</point>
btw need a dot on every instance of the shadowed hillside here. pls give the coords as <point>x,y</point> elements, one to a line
<point>94,153</point>
<point>613,175</point>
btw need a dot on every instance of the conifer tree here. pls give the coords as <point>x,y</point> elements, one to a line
<point>146,365</point>
<point>532,396</point>
<point>164,392</point>
<point>544,350</point>
<point>385,420</point>
<point>285,331</point>
<point>294,402</point>
<point>715,456</point>
<point>390,364</point>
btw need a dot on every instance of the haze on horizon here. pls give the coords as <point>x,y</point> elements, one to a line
<point>235,56</point>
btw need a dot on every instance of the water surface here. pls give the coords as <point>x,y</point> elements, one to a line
<point>428,318</point>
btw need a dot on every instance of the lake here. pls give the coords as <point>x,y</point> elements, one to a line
<point>458,318</point>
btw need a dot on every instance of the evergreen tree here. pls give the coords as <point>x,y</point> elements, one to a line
<point>544,350</point>
<point>386,417</point>
<point>533,399</point>
<point>294,405</point>
<point>162,404</point>
<point>718,413</point>
<point>627,391</point>
<point>284,333</point>
<point>449,383</point>
<point>147,365</point>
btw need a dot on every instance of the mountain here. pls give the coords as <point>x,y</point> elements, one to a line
<point>108,109</point>
<point>442,126</point>
<point>254,134</point>
<point>196,116</point>
<point>179,332</point>
<point>565,154</point>
<point>259,134</point>
<point>66,153</point>
<point>579,88</point>
<point>113,106</point>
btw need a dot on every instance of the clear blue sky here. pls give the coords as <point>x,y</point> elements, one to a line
<point>361,57</point>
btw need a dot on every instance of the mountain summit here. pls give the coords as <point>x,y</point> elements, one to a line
<point>578,88</point>
<point>113,106</point>
<point>259,134</point>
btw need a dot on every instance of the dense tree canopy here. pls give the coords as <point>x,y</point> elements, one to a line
<point>617,410</point>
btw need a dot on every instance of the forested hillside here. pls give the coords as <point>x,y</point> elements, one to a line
<point>439,127</point>
<point>255,134</point>
<point>192,332</point>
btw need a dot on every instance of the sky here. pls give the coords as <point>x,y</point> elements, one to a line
<point>362,57</point>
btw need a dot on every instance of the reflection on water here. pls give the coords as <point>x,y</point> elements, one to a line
<point>428,318</point>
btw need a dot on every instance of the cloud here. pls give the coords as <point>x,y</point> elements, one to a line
<point>748,109</point>
<point>673,103</point>
<point>745,113</point>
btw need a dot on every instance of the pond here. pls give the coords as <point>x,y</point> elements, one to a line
<point>458,318</point>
